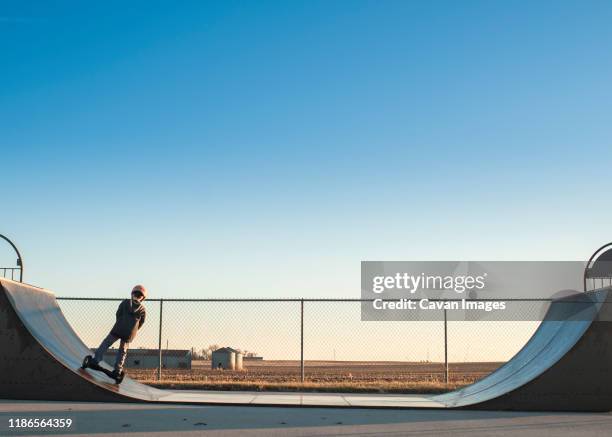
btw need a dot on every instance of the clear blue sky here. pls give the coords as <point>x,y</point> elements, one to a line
<point>211,149</point>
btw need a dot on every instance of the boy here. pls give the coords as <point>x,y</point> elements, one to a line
<point>130,317</point>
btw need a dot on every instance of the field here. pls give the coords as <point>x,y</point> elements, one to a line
<point>337,376</point>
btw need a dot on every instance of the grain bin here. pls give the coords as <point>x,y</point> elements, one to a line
<point>226,358</point>
<point>238,361</point>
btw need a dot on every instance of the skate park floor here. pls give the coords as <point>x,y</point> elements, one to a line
<point>180,420</point>
<point>302,399</point>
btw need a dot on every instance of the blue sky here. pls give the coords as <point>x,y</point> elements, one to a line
<point>212,149</point>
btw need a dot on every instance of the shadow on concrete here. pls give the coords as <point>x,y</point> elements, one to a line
<point>96,418</point>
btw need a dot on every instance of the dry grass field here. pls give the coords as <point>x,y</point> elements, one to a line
<point>330,376</point>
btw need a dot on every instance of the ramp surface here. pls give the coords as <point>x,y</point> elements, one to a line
<point>565,366</point>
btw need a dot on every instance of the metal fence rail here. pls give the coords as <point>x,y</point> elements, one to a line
<point>12,273</point>
<point>15,272</point>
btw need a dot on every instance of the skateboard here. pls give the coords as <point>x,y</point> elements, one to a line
<point>88,362</point>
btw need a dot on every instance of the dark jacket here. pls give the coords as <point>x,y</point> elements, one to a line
<point>130,317</point>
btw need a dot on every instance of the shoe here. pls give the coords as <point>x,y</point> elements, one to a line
<point>89,361</point>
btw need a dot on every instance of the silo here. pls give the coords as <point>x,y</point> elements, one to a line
<point>238,365</point>
<point>224,358</point>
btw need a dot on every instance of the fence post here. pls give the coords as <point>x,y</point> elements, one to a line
<point>445,347</point>
<point>159,343</point>
<point>302,339</point>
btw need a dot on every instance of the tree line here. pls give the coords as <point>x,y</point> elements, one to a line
<point>206,352</point>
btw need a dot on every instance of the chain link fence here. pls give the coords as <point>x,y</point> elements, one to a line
<point>300,344</point>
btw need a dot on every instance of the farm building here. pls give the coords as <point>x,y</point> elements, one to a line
<point>149,358</point>
<point>227,358</point>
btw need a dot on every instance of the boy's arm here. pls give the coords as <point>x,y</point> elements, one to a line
<point>119,310</point>
<point>142,319</point>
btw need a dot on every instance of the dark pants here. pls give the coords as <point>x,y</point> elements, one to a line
<point>121,352</point>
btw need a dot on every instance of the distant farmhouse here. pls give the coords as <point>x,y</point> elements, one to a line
<point>252,358</point>
<point>149,358</point>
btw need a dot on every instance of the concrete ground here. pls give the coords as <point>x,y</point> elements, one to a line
<point>170,420</point>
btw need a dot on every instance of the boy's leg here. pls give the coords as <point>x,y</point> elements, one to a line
<point>121,355</point>
<point>106,343</point>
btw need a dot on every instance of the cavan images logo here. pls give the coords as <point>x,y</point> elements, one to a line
<point>422,282</point>
<point>465,290</point>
